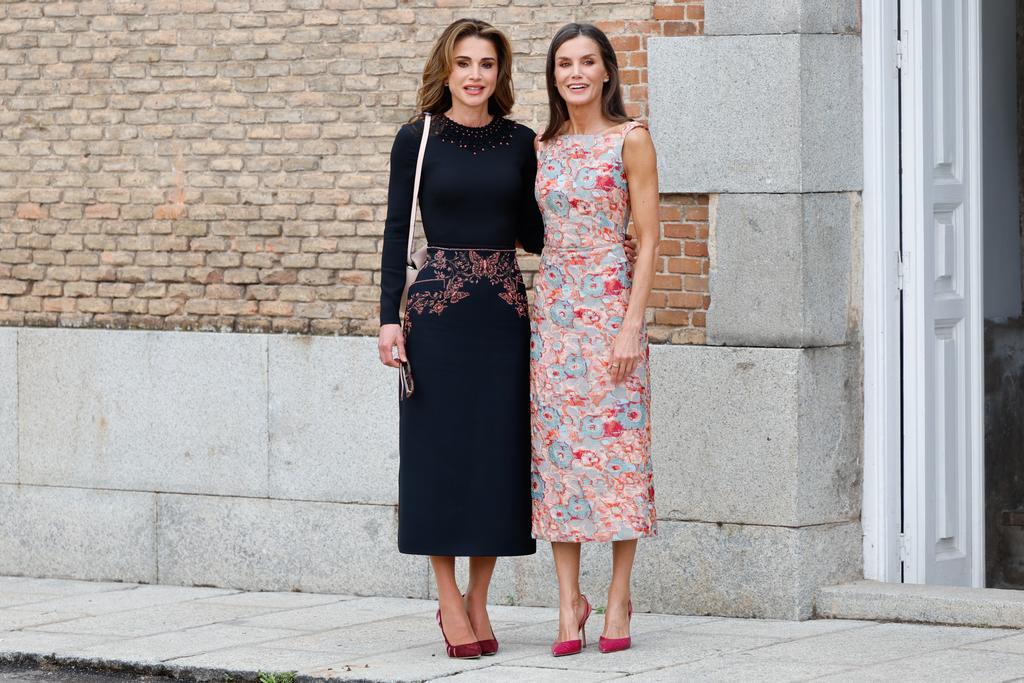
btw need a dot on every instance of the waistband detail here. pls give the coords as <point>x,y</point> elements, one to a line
<point>449,248</point>
<point>582,247</point>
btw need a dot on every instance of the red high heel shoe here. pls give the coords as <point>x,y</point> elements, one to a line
<point>465,651</point>
<point>574,647</point>
<point>607,645</point>
<point>488,646</point>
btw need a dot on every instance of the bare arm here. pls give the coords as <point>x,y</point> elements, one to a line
<point>641,166</point>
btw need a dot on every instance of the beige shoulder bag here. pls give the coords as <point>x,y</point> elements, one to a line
<point>414,260</point>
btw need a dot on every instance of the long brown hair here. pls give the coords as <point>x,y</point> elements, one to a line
<point>612,105</point>
<point>435,98</point>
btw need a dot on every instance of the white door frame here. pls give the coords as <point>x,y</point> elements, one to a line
<point>883,51</point>
<point>934,508</point>
<point>881,510</point>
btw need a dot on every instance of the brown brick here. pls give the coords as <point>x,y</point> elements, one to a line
<point>680,28</point>
<point>101,211</point>
<point>201,306</point>
<point>697,213</point>
<point>30,212</point>
<point>298,293</point>
<point>279,277</point>
<point>224,291</point>
<point>696,249</point>
<point>695,284</point>
<point>668,282</point>
<point>169,212</point>
<point>669,317</point>
<point>43,288</point>
<point>15,287</point>
<point>669,12</point>
<point>684,265</point>
<point>115,290</point>
<point>669,248</point>
<point>151,290</point>
<point>685,300</point>
<point>276,308</point>
<point>54,304</point>
<point>680,231</point>
<point>28,272</point>
<point>80,289</point>
<point>238,276</point>
<point>94,305</point>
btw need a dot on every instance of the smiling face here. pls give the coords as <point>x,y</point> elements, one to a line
<point>474,71</point>
<point>580,73</point>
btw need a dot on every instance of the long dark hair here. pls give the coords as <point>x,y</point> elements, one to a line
<point>434,98</point>
<point>612,105</point>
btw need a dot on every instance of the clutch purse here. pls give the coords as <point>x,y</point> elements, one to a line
<point>405,385</point>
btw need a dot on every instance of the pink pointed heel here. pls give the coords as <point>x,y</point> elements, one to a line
<point>607,645</point>
<point>574,647</point>
<point>466,651</point>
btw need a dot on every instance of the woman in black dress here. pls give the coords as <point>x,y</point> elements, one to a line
<point>464,433</point>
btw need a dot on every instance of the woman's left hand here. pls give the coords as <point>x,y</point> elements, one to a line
<point>629,245</point>
<point>626,355</point>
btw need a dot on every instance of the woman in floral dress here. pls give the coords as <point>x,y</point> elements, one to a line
<point>590,378</point>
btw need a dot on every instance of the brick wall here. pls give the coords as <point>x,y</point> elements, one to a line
<point>221,164</point>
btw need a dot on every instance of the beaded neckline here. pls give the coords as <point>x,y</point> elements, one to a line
<point>496,133</point>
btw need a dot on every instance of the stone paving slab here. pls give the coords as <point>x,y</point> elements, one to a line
<point>521,674</point>
<point>1012,643</point>
<point>42,643</point>
<point>184,643</point>
<point>14,599</point>
<point>248,660</point>
<point>340,613</point>
<point>771,628</point>
<point>206,634</point>
<point>289,601</point>
<point>959,605</point>
<point>650,651</point>
<point>879,643</point>
<point>151,620</point>
<point>125,598</point>
<point>949,665</point>
<point>61,586</point>
<point>13,620</point>
<point>740,666</point>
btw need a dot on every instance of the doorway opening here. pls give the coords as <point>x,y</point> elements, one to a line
<point>1003,153</point>
<point>943,317</point>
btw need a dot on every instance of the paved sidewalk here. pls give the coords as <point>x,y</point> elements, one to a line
<point>206,633</point>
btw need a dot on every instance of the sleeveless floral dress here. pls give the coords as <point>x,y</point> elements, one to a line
<point>592,478</point>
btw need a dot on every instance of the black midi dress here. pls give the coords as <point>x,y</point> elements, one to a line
<point>464,435</point>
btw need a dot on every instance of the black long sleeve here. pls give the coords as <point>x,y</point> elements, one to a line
<point>476,190</point>
<point>396,225</point>
<point>531,223</point>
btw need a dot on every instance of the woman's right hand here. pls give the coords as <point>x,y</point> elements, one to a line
<point>388,340</point>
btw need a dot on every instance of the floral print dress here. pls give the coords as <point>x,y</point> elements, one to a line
<point>592,478</point>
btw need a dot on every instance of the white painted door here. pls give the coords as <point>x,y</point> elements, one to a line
<point>942,347</point>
